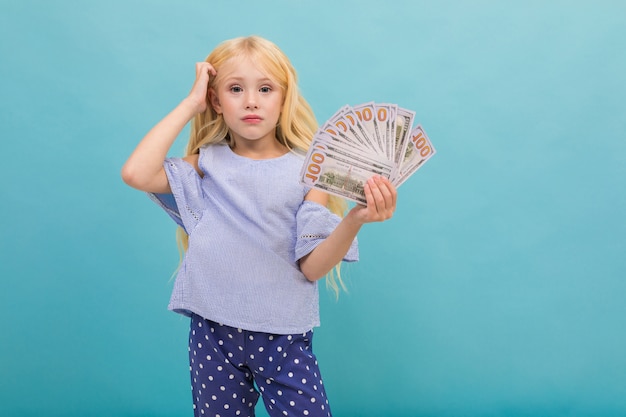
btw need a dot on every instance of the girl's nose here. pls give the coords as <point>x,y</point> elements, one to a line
<point>251,102</point>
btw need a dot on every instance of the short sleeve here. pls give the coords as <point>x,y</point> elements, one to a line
<point>314,223</point>
<point>185,204</point>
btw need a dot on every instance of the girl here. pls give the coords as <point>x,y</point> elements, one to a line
<point>256,241</point>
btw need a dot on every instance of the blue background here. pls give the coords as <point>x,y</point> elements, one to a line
<point>498,288</point>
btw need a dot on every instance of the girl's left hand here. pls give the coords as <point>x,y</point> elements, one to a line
<point>381,198</point>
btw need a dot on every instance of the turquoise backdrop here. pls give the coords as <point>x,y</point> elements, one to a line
<point>498,288</point>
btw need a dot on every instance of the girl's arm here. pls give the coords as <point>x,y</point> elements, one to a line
<point>144,168</point>
<point>381,199</point>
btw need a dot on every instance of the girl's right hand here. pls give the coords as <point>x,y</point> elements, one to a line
<point>199,92</point>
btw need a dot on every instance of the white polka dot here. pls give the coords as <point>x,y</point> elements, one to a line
<point>292,403</point>
<point>199,347</point>
<point>296,361</point>
<point>290,374</point>
<point>313,399</point>
<point>279,392</point>
<point>306,412</point>
<point>304,380</point>
<point>260,348</point>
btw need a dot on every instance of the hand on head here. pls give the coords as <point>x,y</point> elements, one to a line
<point>199,92</point>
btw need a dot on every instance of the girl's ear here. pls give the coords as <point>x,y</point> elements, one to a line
<point>214,101</point>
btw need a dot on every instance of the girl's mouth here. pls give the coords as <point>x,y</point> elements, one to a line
<point>252,118</point>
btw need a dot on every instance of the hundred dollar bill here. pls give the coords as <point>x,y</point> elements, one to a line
<point>418,150</point>
<point>330,127</point>
<point>336,141</point>
<point>338,171</point>
<point>404,124</point>
<point>386,116</point>
<point>361,141</point>
<point>366,113</point>
<point>347,125</point>
<point>359,156</point>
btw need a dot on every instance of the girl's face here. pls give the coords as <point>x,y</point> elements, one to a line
<point>249,101</point>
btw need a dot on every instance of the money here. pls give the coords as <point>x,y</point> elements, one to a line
<point>359,142</point>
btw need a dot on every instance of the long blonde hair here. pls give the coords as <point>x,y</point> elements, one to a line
<point>296,125</point>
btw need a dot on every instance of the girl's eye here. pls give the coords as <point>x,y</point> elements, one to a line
<point>265,89</point>
<point>236,89</point>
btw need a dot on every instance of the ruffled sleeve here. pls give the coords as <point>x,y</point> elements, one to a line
<point>185,204</point>
<point>314,223</point>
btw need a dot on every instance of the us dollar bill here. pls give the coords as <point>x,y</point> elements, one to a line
<point>339,170</point>
<point>418,149</point>
<point>359,142</point>
<point>404,124</point>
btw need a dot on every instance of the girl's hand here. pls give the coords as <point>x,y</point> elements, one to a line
<point>381,198</point>
<point>199,92</point>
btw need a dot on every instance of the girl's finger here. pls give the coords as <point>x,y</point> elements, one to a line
<point>377,199</point>
<point>390,193</point>
<point>385,196</point>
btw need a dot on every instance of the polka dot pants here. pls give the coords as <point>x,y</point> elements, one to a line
<point>226,363</point>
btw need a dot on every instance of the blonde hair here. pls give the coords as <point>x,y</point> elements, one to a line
<point>296,124</point>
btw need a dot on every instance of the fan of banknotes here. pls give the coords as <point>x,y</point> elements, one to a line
<point>358,142</point>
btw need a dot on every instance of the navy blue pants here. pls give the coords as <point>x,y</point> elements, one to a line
<point>226,363</point>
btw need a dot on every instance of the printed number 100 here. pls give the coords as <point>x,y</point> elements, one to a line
<point>419,141</point>
<point>314,168</point>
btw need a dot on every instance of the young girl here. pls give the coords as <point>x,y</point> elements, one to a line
<point>256,240</point>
